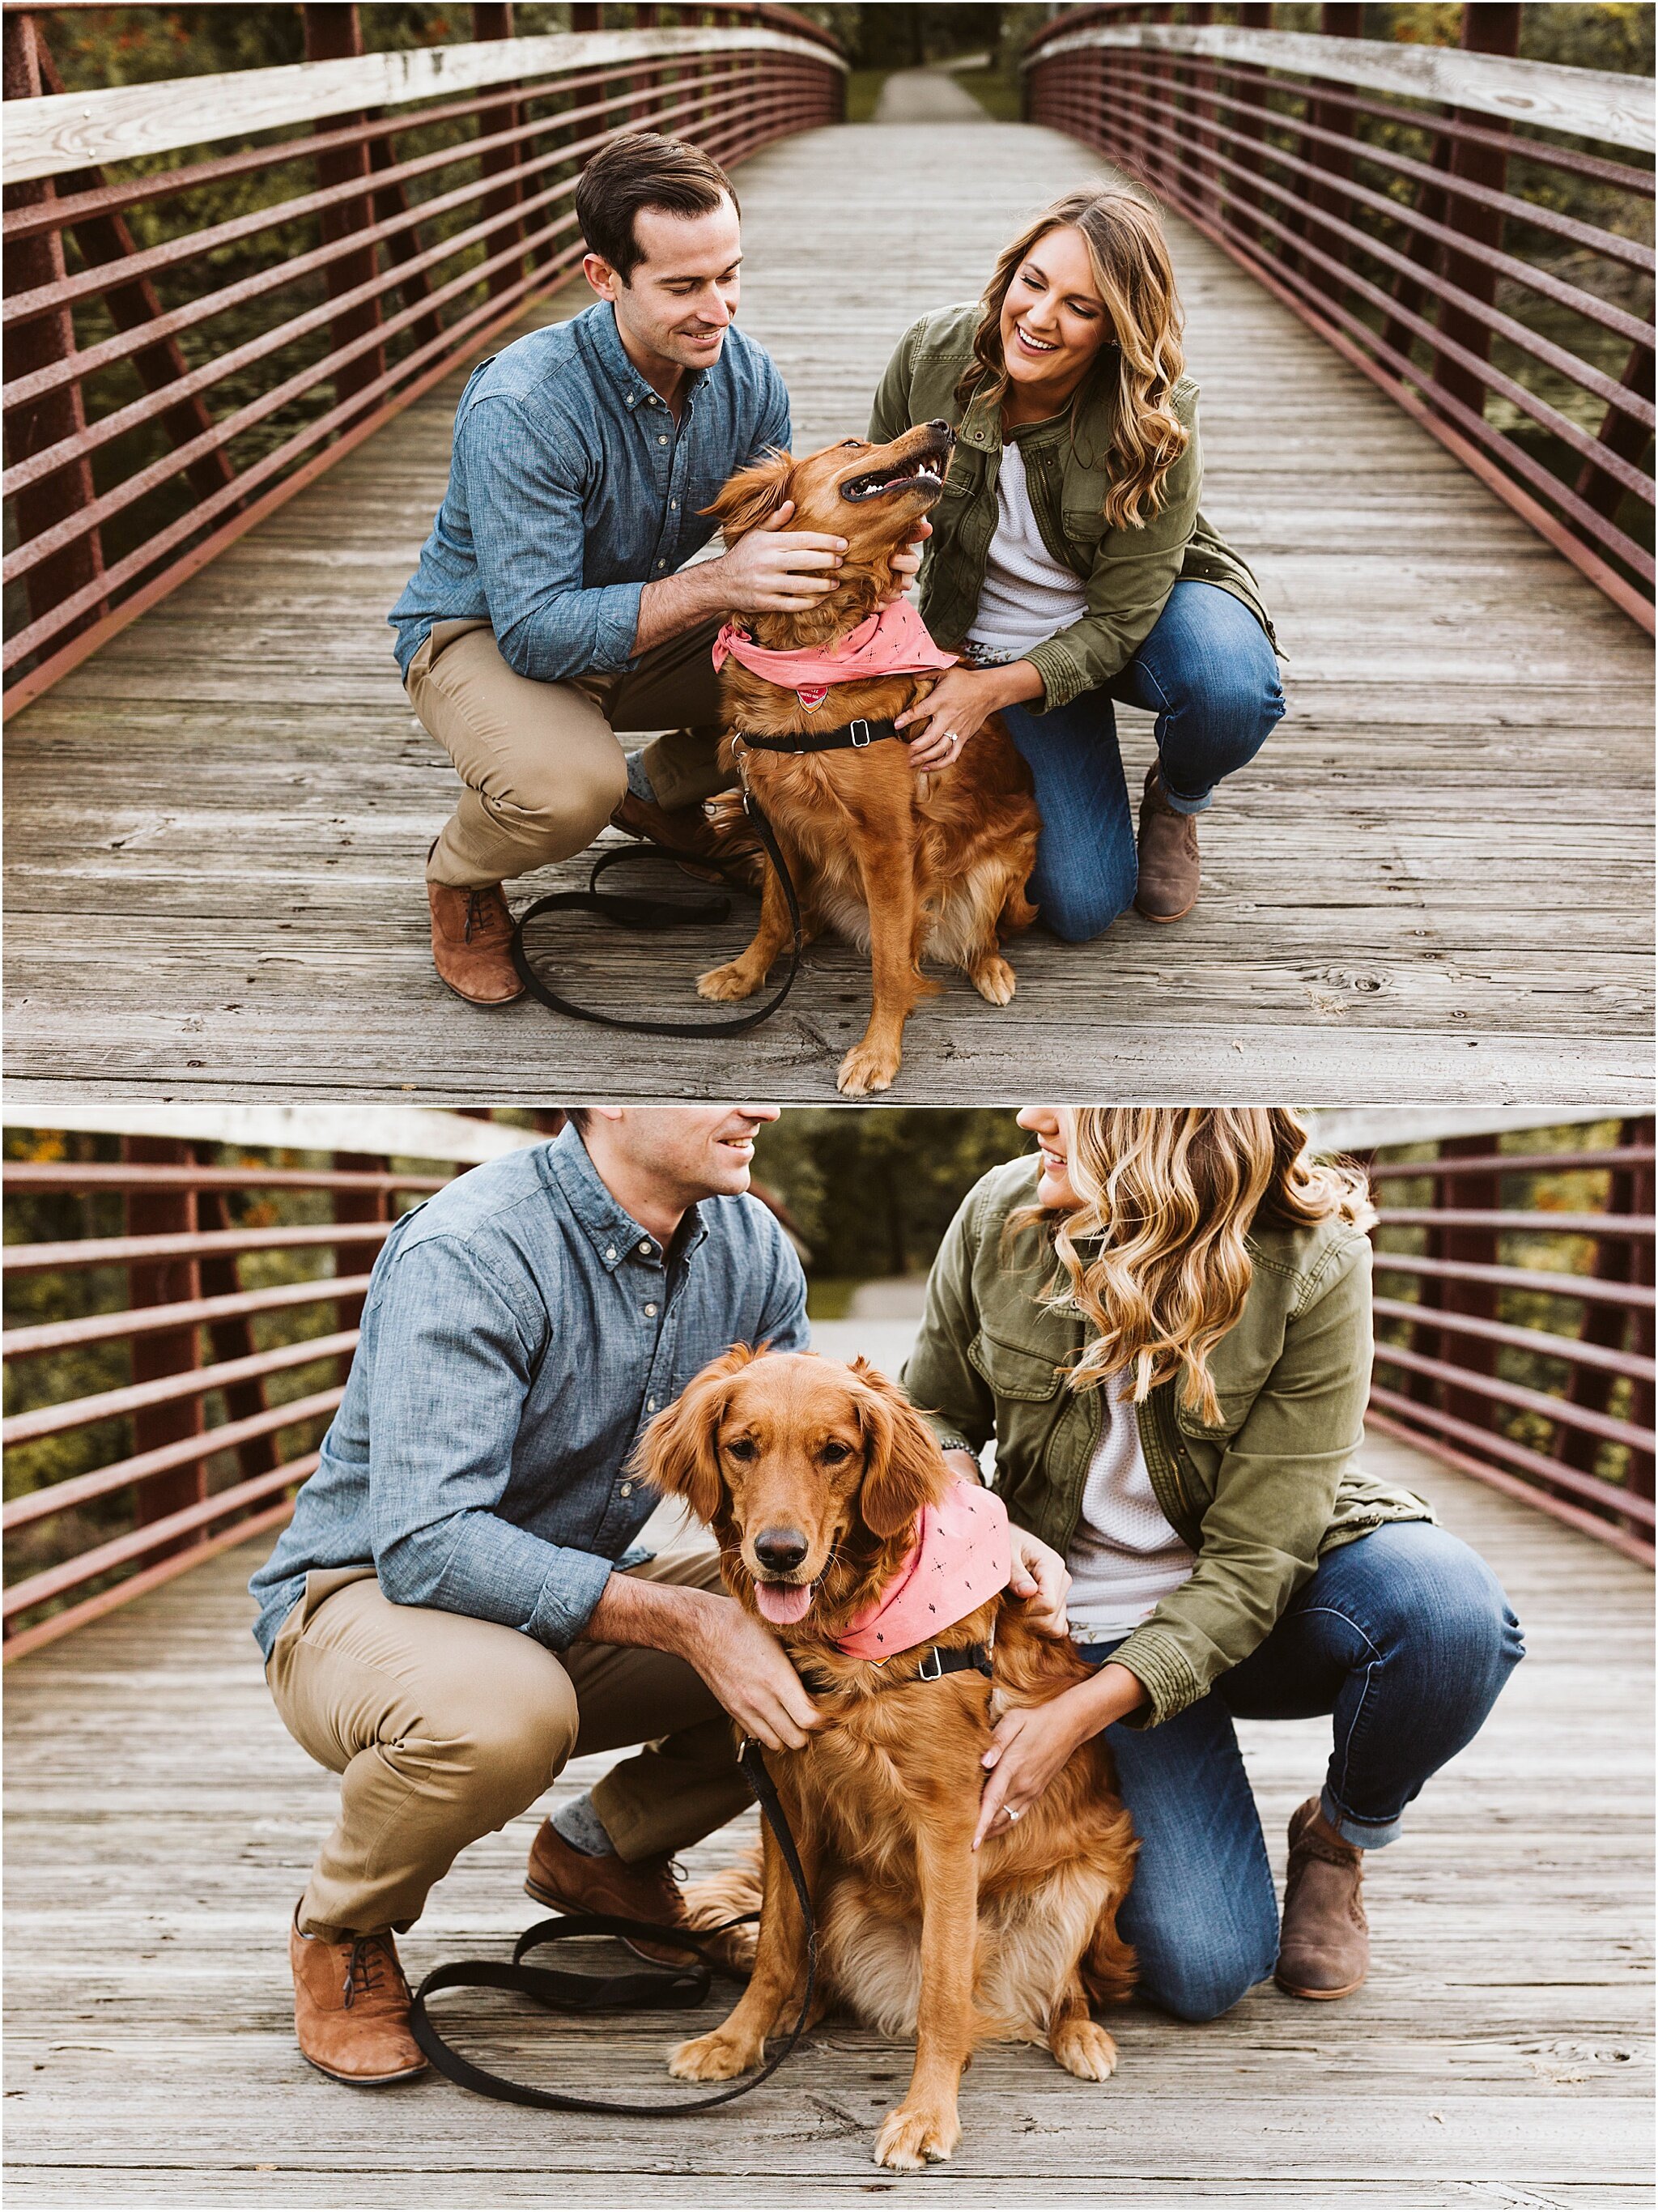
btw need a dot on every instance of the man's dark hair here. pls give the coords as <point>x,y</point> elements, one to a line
<point>578,1117</point>
<point>642,169</point>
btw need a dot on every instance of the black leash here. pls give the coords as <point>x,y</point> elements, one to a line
<point>631,912</point>
<point>671,1988</point>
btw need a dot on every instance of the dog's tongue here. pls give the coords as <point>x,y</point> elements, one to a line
<point>783,1603</point>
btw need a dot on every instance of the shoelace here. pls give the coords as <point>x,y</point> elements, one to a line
<point>481,907</point>
<point>367,1952</point>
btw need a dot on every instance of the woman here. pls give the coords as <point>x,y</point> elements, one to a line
<point>1163,1321</point>
<point>1069,562</point>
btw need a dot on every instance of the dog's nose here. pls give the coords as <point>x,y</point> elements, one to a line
<point>779,1550</point>
<point>941,427</point>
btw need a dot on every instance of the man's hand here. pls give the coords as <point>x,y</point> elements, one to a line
<point>749,1672</point>
<point>775,570</point>
<point>744,1667</point>
<point>1042,1579</point>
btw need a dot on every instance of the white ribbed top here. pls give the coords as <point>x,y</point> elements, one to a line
<point>1027,595</point>
<point>1124,1558</point>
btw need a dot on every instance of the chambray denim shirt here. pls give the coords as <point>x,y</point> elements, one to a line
<point>571,488</point>
<point>519,1331</point>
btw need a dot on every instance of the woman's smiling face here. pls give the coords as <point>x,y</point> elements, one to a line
<point>1054,321</point>
<point>1051,1127</point>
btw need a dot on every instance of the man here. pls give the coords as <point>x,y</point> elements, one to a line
<point>458,1604</point>
<point>550,607</point>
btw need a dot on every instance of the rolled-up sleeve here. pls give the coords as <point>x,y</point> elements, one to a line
<point>453,1366</point>
<point>529,533</point>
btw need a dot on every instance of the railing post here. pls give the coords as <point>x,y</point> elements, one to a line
<point>494,21</point>
<point>168,1352</point>
<point>1621,434</point>
<point>1250,111</point>
<point>1479,1247</point>
<point>1343,21</point>
<point>31,263</point>
<point>332,33</point>
<point>1492,26</point>
<point>357,1258</point>
<point>219,1276</point>
<point>1630,1328</point>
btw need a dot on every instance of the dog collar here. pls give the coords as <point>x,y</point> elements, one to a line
<point>963,1556</point>
<point>847,736</point>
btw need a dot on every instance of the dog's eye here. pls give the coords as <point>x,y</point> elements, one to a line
<point>741,1448</point>
<point>834,1454</point>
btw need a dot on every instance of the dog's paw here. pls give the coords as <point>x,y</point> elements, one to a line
<point>914,2136</point>
<point>736,980</point>
<point>866,1068</point>
<point>716,2057</point>
<point>1084,2048</point>
<point>995,979</point>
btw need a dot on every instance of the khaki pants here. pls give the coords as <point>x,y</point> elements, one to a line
<point>442,1728</point>
<point>542,769</point>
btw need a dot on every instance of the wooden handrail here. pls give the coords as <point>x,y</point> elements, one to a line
<point>1283,149</point>
<point>58,134</point>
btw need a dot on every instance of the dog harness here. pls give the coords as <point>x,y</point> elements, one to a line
<point>963,1556</point>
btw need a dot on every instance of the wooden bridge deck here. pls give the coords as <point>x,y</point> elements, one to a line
<point>1433,883</point>
<point>159,1820</point>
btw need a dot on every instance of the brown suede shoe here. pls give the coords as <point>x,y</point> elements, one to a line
<point>1324,1948</point>
<point>471,943</point>
<point>351,2009</point>
<point>582,1881</point>
<point>1170,871</point>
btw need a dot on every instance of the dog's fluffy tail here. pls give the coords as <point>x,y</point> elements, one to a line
<point>725,1894</point>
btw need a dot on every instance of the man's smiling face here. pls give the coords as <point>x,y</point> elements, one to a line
<point>700,1152</point>
<point>681,295</point>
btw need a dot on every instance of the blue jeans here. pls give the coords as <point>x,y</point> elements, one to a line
<point>1209,674</point>
<point>1405,1637</point>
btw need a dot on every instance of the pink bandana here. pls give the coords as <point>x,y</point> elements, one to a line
<point>961,1557</point>
<point>895,642</point>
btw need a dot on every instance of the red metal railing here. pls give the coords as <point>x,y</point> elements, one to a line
<point>1421,236</point>
<point>1514,1338</point>
<point>144,431</point>
<point>186,1490</point>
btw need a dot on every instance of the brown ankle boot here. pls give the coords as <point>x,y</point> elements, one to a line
<point>1170,871</point>
<point>582,1881</point>
<point>471,943</point>
<point>1324,1947</point>
<point>351,2009</point>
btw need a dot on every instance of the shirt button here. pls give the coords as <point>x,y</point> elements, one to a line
<point>650,1405</point>
<point>661,442</point>
<point>609,1251</point>
<point>673,502</point>
<point>650,1312</point>
<point>627,1490</point>
<point>645,1246</point>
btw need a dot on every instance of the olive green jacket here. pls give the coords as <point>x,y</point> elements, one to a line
<point>1258,1495</point>
<point>1126,575</point>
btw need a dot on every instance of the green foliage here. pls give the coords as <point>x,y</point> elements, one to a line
<point>874,1191</point>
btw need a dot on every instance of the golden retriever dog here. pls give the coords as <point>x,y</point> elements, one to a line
<point>791,1458</point>
<point>901,865</point>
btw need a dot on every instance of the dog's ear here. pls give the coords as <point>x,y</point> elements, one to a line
<point>903,1466</point>
<point>678,1453</point>
<point>752,495</point>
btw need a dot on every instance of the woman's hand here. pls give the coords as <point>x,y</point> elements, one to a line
<point>961,703</point>
<point>1028,1748</point>
<point>906,564</point>
<point>1029,1745</point>
<point>1042,1579</point>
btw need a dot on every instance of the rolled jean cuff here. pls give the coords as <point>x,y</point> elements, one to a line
<point>1362,1835</point>
<point>1180,804</point>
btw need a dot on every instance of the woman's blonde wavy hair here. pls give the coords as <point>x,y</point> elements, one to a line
<point>1172,1193</point>
<point>1137,284</point>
